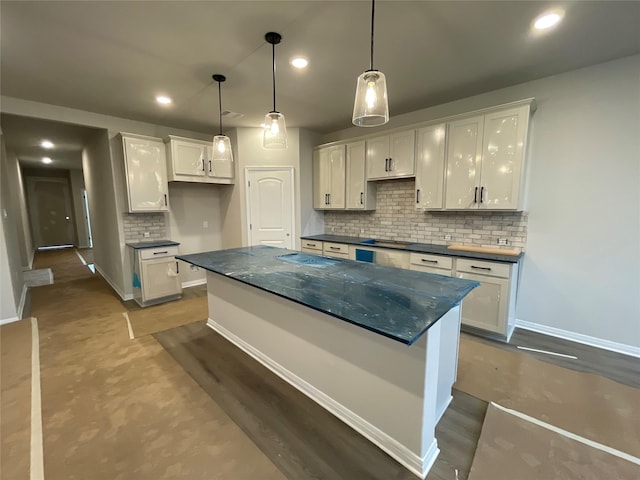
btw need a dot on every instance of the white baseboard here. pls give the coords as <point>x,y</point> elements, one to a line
<point>113,285</point>
<point>4,321</point>
<point>194,283</point>
<point>580,338</point>
<point>418,466</point>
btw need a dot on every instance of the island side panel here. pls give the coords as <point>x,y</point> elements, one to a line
<point>386,390</point>
<point>448,363</point>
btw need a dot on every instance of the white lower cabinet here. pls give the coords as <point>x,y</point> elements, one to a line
<point>491,306</point>
<point>336,250</point>
<point>311,246</point>
<point>158,275</point>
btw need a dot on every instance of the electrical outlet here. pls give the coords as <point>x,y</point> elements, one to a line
<point>146,234</point>
<point>503,241</point>
<point>447,237</point>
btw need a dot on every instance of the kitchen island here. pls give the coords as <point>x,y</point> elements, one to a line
<point>376,346</point>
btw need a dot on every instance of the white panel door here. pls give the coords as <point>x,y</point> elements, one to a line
<point>189,158</point>
<point>146,165</point>
<point>486,306</point>
<point>402,154</point>
<point>464,151</point>
<point>377,157</point>
<point>356,183</point>
<point>430,166</point>
<point>337,177</point>
<point>503,154</point>
<point>270,209</point>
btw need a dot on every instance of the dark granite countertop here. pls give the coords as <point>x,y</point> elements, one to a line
<point>416,247</point>
<point>399,304</point>
<point>152,244</point>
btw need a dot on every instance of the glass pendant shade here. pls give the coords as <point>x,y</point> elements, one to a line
<point>222,149</point>
<point>275,131</point>
<point>371,107</point>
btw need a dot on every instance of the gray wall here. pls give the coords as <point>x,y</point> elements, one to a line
<point>581,272</point>
<point>11,277</point>
<point>18,202</point>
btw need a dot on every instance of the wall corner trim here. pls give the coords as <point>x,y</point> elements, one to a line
<point>580,338</point>
<point>120,293</point>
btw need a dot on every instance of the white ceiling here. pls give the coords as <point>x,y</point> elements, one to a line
<point>115,57</point>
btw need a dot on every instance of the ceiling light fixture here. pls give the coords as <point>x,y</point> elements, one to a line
<point>371,107</point>
<point>163,100</point>
<point>547,20</point>
<point>275,130</point>
<point>221,143</point>
<point>46,144</point>
<point>46,160</point>
<point>299,62</point>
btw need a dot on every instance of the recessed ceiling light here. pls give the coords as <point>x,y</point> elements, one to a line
<point>47,144</point>
<point>163,100</point>
<point>299,62</point>
<point>547,20</point>
<point>46,160</point>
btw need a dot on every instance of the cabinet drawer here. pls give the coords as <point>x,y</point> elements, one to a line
<point>482,267</point>
<point>159,252</point>
<point>312,245</point>
<point>337,255</point>
<point>335,248</point>
<point>433,261</point>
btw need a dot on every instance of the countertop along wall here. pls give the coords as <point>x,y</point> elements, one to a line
<point>581,271</point>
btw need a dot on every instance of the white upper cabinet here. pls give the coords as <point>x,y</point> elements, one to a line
<point>146,173</point>
<point>391,156</point>
<point>485,160</point>
<point>190,160</point>
<point>361,195</point>
<point>329,178</point>
<point>430,167</point>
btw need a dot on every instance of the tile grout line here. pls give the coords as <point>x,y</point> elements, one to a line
<point>37,461</point>
<point>591,443</point>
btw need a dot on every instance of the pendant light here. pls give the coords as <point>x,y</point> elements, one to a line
<point>371,107</point>
<point>275,129</point>
<point>221,143</point>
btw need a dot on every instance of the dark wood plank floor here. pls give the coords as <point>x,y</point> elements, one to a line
<point>620,368</point>
<point>299,436</point>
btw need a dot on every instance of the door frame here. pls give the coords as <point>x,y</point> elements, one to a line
<point>274,168</point>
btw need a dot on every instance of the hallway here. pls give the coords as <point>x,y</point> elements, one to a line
<point>186,404</point>
<point>117,408</point>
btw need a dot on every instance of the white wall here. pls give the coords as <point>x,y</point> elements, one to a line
<point>248,152</point>
<point>311,221</point>
<point>11,278</point>
<point>581,271</point>
<point>19,203</point>
<point>192,204</point>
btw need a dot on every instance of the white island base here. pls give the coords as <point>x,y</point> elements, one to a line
<point>391,393</point>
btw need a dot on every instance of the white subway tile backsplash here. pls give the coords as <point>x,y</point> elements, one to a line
<point>135,224</point>
<point>397,218</point>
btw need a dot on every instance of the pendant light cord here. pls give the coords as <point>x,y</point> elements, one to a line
<point>373,11</point>
<point>220,104</point>
<point>273,49</point>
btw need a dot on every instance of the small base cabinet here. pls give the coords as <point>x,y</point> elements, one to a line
<point>489,308</point>
<point>156,275</point>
